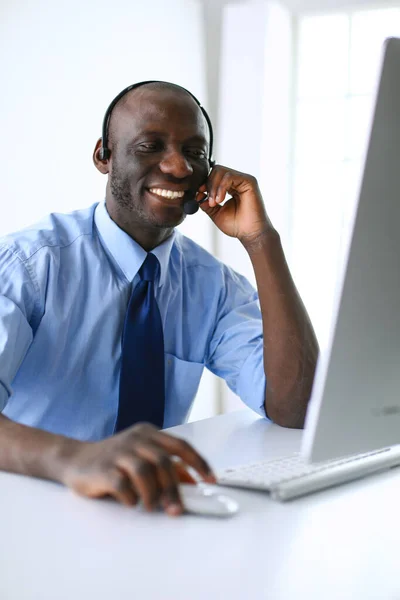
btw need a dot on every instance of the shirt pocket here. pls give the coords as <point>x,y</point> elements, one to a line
<point>182,378</point>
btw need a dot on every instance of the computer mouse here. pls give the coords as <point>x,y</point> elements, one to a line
<point>204,500</point>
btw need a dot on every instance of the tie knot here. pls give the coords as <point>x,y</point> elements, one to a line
<point>150,268</point>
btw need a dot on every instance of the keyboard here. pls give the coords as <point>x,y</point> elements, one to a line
<point>289,477</point>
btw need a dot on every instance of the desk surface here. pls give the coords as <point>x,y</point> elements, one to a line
<point>337,544</point>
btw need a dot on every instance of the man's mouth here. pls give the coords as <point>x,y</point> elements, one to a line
<point>163,193</point>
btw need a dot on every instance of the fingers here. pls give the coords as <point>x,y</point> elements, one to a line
<point>111,482</point>
<point>156,476</point>
<point>224,181</point>
<point>166,475</point>
<point>223,184</point>
<point>208,190</point>
<point>143,478</point>
<point>183,475</point>
<point>178,447</point>
<point>139,463</point>
<point>119,487</point>
<point>216,186</point>
<point>174,446</point>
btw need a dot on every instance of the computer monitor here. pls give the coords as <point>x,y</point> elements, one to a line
<point>355,402</point>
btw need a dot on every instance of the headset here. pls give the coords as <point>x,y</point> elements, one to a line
<point>191,206</point>
<point>105,153</point>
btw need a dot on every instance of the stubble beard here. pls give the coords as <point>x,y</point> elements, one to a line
<point>126,204</point>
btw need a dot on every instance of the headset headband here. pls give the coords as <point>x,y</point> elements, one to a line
<point>105,152</point>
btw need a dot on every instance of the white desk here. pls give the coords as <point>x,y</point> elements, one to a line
<point>338,544</point>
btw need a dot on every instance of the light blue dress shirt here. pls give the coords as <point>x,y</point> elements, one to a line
<point>64,289</point>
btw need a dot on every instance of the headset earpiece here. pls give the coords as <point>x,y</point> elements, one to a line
<point>104,153</point>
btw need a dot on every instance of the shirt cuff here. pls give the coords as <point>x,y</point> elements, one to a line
<point>4,396</point>
<point>252,383</point>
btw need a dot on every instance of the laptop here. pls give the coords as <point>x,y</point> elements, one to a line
<point>352,425</point>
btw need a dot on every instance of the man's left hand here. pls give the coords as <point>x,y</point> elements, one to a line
<point>243,215</point>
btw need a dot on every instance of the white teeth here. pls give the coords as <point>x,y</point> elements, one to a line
<point>167,193</point>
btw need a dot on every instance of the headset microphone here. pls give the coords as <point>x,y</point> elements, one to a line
<point>190,207</point>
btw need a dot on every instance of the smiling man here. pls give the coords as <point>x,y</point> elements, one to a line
<point>108,315</point>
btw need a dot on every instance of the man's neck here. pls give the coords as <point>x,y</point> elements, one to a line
<point>147,236</point>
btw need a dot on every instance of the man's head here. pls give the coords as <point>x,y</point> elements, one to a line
<point>159,142</point>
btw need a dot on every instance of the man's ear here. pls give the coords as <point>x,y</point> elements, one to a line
<point>101,165</point>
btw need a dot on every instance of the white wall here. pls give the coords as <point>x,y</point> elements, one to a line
<point>301,7</point>
<point>255,108</point>
<point>255,116</point>
<point>61,63</point>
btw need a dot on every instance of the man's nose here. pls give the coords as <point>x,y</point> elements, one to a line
<point>175,163</point>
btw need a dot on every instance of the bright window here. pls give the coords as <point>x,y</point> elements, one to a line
<point>337,64</point>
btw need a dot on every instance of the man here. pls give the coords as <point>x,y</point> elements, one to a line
<point>65,384</point>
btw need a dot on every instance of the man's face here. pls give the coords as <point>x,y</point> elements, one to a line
<point>159,150</point>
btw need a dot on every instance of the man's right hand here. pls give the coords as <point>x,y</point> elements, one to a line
<point>134,464</point>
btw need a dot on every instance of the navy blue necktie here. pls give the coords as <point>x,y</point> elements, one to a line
<point>141,385</point>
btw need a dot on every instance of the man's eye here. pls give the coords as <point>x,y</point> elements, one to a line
<point>148,147</point>
<point>197,152</point>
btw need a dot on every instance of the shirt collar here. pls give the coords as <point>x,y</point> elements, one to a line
<point>126,252</point>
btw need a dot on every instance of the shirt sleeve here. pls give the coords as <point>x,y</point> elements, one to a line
<point>16,308</point>
<point>236,346</point>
